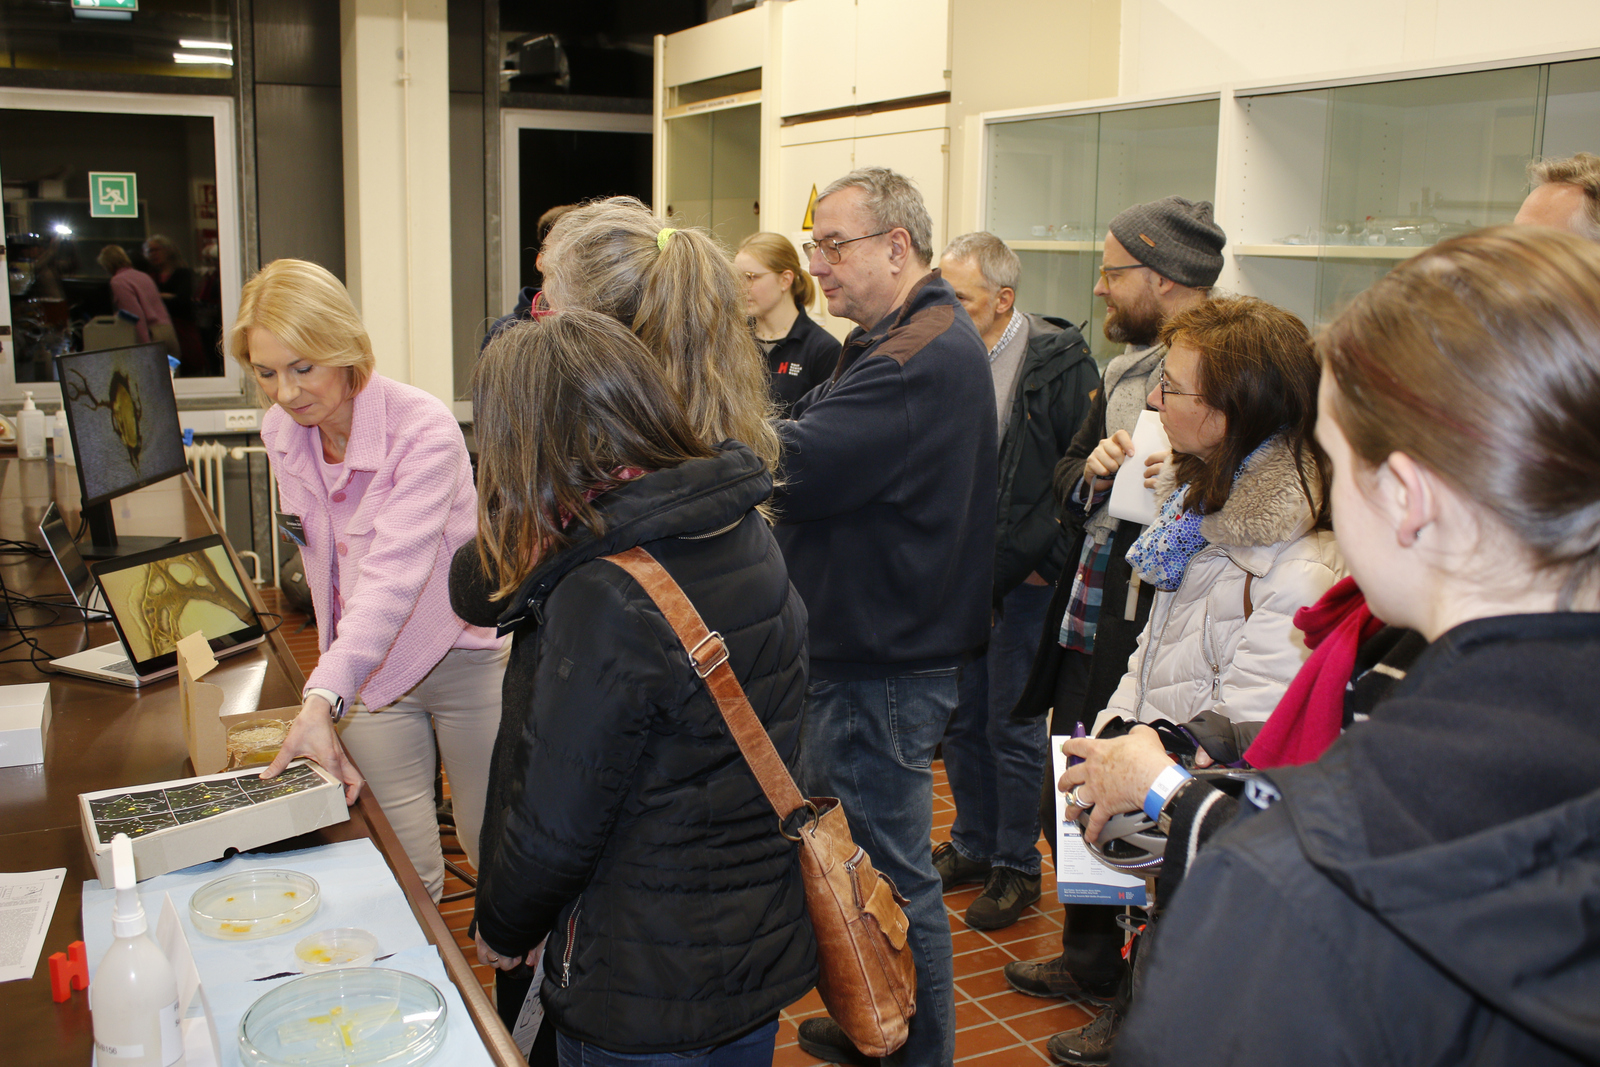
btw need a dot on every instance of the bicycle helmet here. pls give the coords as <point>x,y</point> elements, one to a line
<point>1128,842</point>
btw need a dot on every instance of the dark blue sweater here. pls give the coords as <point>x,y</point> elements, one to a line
<point>886,517</point>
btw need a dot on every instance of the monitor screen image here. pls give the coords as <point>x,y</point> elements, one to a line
<point>124,419</point>
<point>156,602</point>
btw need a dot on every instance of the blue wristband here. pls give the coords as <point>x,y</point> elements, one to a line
<point>1166,783</point>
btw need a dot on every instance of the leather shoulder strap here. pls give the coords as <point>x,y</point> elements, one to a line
<point>709,657</point>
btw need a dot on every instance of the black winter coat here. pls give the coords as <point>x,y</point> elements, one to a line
<point>1426,893</point>
<point>1115,635</point>
<point>622,820</point>
<point>1053,396</point>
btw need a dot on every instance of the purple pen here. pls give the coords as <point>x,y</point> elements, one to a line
<point>1077,731</point>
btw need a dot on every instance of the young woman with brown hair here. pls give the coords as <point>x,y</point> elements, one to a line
<point>623,823</point>
<point>800,354</point>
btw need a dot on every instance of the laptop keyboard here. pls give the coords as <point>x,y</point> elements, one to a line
<point>122,666</point>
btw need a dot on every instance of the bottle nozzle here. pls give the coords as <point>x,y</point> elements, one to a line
<point>127,919</point>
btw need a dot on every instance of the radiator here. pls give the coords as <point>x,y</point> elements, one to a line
<point>205,463</point>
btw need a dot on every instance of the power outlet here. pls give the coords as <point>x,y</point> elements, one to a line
<point>243,421</point>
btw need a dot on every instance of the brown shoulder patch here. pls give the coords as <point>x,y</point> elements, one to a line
<point>903,342</point>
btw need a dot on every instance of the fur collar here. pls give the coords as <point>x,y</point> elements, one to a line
<point>1267,505</point>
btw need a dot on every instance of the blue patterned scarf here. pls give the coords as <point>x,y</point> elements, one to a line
<point>1162,553</point>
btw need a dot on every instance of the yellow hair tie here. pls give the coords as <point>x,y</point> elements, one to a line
<point>661,238</point>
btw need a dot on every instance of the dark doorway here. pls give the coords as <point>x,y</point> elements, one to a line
<point>570,166</point>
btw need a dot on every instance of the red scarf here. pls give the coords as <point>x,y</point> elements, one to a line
<point>621,474</point>
<point>1310,716</point>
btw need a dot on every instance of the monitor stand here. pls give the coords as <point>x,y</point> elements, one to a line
<point>103,542</point>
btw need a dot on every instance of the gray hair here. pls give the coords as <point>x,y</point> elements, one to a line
<point>1000,267</point>
<point>894,202</point>
<point>1582,170</point>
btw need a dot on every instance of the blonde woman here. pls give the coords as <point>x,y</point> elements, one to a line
<point>800,354</point>
<point>375,474</point>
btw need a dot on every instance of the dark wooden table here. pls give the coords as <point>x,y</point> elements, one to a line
<point>103,736</point>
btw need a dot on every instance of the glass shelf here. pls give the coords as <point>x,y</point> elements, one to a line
<point>1329,251</point>
<point>1055,182</point>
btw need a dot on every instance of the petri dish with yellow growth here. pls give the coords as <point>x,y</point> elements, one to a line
<point>358,1017</point>
<point>255,742</point>
<point>256,903</point>
<point>343,946</point>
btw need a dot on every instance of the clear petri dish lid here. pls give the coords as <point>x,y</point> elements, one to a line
<point>254,903</point>
<point>345,1018</point>
<point>343,946</point>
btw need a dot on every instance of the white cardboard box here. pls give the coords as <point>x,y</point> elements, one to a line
<point>195,836</point>
<point>24,721</point>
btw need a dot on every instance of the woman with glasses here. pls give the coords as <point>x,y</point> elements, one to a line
<point>800,354</point>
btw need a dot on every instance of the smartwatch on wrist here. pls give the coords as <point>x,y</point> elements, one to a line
<point>336,706</point>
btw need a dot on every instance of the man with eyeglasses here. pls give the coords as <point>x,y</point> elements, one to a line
<point>1159,258</point>
<point>1044,378</point>
<point>886,519</point>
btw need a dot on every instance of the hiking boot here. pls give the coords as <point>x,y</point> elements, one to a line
<point>955,869</point>
<point>1089,1044</point>
<point>823,1038</point>
<point>1050,978</point>
<point>1006,895</point>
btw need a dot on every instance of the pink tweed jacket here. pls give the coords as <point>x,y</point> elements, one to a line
<point>392,522</point>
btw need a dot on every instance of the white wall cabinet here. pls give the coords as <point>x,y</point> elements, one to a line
<point>1321,187</point>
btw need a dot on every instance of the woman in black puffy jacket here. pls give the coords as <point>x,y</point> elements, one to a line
<point>623,823</point>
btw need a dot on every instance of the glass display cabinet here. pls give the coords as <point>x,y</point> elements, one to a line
<point>713,170</point>
<point>1055,181</point>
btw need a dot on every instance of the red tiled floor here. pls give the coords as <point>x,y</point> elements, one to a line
<point>995,1027</point>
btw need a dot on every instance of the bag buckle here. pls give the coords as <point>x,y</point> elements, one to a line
<point>716,657</point>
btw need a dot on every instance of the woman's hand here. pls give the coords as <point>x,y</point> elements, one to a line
<point>314,737</point>
<point>1152,467</point>
<point>1107,456</point>
<point>489,956</point>
<point>1115,774</point>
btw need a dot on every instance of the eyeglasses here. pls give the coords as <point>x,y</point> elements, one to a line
<point>1107,272</point>
<point>830,246</point>
<point>1165,392</point>
<point>751,276</point>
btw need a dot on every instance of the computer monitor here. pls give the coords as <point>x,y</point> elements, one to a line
<point>123,417</point>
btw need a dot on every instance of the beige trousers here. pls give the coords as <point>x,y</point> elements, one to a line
<point>458,706</point>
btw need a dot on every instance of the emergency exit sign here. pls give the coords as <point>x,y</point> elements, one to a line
<point>108,5</point>
<point>113,195</point>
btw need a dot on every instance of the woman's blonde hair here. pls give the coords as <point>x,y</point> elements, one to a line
<point>774,252</point>
<point>560,404</point>
<point>307,309</point>
<point>113,258</point>
<point>678,292</point>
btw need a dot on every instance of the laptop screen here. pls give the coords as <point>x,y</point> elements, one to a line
<point>158,597</point>
<point>65,550</point>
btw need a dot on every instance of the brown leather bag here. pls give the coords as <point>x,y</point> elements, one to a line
<point>865,972</point>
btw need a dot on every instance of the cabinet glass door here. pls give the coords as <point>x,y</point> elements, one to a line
<point>1572,109</point>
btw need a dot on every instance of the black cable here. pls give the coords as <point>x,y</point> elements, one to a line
<point>275,615</point>
<point>35,651</point>
<point>25,547</point>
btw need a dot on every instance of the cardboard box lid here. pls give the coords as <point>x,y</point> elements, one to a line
<point>25,696</point>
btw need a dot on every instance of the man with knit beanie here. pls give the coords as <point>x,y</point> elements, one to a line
<point>1160,258</point>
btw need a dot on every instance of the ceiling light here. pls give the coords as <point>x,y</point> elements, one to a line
<point>190,57</point>
<point>224,45</point>
<point>63,229</point>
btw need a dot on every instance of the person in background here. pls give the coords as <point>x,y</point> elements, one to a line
<point>376,473</point>
<point>1044,378</point>
<point>175,281</point>
<point>1565,195</point>
<point>134,295</point>
<point>800,354</point>
<point>1429,884</point>
<point>632,835</point>
<point>528,303</point>
<point>1160,258</point>
<point>886,518</point>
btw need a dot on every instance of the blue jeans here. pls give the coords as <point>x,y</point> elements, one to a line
<point>752,1050</point>
<point>871,745</point>
<point>997,766</point>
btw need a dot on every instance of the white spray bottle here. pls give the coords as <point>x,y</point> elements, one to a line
<point>134,996</point>
<point>30,429</point>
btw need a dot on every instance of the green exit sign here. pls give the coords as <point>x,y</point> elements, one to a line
<point>108,5</point>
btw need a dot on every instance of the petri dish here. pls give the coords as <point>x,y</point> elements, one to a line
<point>343,946</point>
<point>358,1017</point>
<point>255,903</point>
<point>255,741</point>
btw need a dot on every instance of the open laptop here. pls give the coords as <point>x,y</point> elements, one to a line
<point>64,550</point>
<point>157,597</point>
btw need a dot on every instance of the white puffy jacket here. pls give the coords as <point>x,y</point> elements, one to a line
<point>1225,639</point>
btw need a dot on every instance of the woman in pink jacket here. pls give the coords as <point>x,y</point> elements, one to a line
<point>376,476</point>
<point>134,293</point>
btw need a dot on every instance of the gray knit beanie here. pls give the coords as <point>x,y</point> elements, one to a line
<point>1174,237</point>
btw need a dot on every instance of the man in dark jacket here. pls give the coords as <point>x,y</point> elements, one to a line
<point>888,501</point>
<point>1160,258</point>
<point>1043,380</point>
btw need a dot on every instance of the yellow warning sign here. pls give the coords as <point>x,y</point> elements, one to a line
<point>811,209</point>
